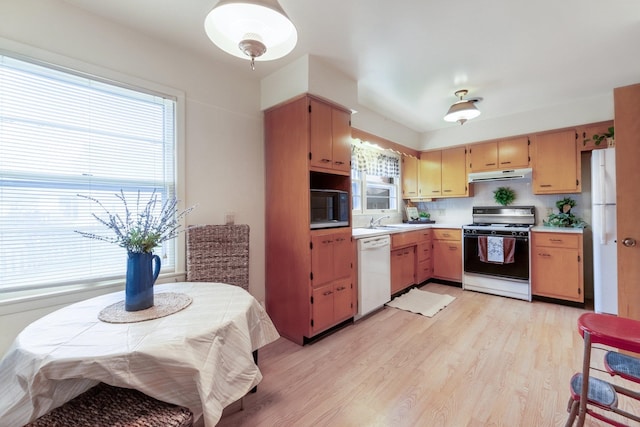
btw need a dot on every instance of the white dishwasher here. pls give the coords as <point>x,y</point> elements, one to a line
<point>374,273</point>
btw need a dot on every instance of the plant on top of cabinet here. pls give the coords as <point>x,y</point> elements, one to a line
<point>504,196</point>
<point>599,137</point>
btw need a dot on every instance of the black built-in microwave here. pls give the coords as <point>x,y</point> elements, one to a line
<point>329,208</point>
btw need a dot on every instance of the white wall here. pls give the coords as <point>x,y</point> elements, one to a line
<point>223,145</point>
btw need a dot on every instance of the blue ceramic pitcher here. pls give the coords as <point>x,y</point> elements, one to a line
<point>141,276</point>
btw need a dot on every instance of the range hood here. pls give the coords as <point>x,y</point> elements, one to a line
<point>504,175</point>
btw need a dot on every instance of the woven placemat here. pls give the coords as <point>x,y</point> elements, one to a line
<point>164,304</point>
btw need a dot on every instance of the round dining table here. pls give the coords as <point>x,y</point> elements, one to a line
<point>200,357</point>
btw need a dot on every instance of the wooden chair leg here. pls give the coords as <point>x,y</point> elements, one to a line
<point>573,407</point>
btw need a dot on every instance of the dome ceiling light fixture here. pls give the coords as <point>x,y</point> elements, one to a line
<point>464,109</point>
<point>251,29</point>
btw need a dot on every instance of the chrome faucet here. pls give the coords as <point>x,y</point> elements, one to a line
<point>374,222</point>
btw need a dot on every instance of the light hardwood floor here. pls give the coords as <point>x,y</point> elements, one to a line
<point>482,361</point>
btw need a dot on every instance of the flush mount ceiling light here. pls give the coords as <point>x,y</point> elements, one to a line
<point>462,110</point>
<point>251,29</point>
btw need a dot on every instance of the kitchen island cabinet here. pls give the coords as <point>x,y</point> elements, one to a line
<point>309,279</point>
<point>447,254</point>
<point>556,265</point>
<point>556,163</point>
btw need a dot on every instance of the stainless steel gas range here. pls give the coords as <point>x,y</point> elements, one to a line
<point>496,251</point>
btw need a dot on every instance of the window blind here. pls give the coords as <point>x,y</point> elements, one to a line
<point>64,134</point>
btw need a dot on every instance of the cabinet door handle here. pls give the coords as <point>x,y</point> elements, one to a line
<point>325,160</point>
<point>505,163</point>
<point>545,185</point>
<point>338,162</point>
<point>544,255</point>
<point>453,248</point>
<point>435,191</point>
<point>489,164</point>
<point>447,191</point>
<point>327,293</point>
<point>341,288</point>
<point>556,240</point>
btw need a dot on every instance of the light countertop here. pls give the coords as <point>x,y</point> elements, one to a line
<point>359,233</point>
<point>546,229</point>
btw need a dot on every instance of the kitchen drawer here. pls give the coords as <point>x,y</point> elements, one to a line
<point>425,235</point>
<point>424,251</point>
<point>409,238</point>
<point>447,234</point>
<point>557,240</point>
<point>424,270</point>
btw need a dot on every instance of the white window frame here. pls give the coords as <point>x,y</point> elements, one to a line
<point>62,63</point>
<point>363,183</point>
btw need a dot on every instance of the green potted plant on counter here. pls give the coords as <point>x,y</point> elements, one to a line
<point>424,216</point>
<point>564,218</point>
<point>565,205</point>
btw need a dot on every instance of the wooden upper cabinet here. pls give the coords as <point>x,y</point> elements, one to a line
<point>585,136</point>
<point>513,153</point>
<point>454,172</point>
<point>443,173</point>
<point>409,177</point>
<point>556,163</point>
<point>430,174</point>
<point>330,137</point>
<point>341,140</point>
<point>503,154</point>
<point>484,156</point>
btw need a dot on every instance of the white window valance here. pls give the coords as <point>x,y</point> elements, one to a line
<point>373,161</point>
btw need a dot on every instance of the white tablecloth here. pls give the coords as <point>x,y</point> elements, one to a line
<point>200,357</point>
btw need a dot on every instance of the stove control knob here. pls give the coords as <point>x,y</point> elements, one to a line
<point>514,233</point>
<point>493,232</point>
<point>523,233</point>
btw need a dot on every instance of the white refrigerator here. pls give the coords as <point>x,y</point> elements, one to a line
<point>603,208</point>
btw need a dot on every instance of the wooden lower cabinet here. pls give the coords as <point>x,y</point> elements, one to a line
<point>447,254</point>
<point>332,303</point>
<point>411,261</point>
<point>424,259</point>
<point>556,266</point>
<point>402,268</point>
